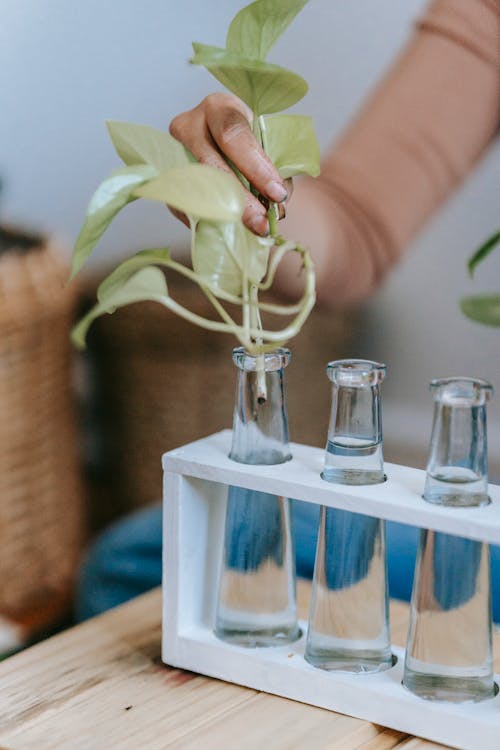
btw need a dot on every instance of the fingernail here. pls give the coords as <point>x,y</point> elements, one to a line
<point>276,191</point>
<point>259,224</point>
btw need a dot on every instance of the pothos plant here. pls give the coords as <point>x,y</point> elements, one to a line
<point>483,308</point>
<point>230,264</point>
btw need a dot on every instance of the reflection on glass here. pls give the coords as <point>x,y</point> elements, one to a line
<point>449,648</point>
<point>354,448</point>
<point>457,471</point>
<point>349,620</point>
<point>256,599</point>
<point>257,589</point>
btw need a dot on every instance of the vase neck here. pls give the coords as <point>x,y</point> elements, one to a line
<point>355,413</point>
<point>457,469</point>
<point>260,430</point>
<point>354,447</point>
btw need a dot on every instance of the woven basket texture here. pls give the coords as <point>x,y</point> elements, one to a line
<point>160,382</point>
<point>41,491</point>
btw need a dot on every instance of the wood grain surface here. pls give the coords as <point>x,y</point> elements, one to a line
<point>102,686</point>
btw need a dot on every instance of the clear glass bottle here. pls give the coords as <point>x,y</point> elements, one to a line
<point>256,599</point>
<point>349,611</point>
<point>449,646</point>
<point>457,471</point>
<point>354,448</point>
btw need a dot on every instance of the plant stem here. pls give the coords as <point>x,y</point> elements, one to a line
<point>272,212</point>
<point>256,325</point>
<point>256,130</point>
<point>272,219</point>
<point>246,309</point>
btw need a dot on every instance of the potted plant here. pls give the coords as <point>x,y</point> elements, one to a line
<point>231,265</point>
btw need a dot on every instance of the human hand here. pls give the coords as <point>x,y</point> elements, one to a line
<point>219,126</point>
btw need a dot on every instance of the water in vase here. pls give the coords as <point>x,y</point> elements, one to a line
<point>256,603</point>
<point>257,593</point>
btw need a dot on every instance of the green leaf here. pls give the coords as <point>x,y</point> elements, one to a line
<point>290,142</point>
<point>212,258</point>
<point>147,284</point>
<point>140,144</point>
<point>222,253</point>
<point>110,197</point>
<point>198,191</point>
<point>129,267</point>
<point>264,87</point>
<point>252,253</point>
<point>482,252</point>
<point>482,309</point>
<point>255,29</point>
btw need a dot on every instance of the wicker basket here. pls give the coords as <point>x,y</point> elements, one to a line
<point>159,382</point>
<point>41,500</point>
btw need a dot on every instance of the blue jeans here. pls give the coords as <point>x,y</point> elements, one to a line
<point>125,560</point>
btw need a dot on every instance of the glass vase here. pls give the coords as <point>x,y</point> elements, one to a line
<point>457,471</point>
<point>449,647</point>
<point>349,611</point>
<point>256,599</point>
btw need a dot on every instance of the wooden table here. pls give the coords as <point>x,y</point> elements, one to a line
<point>102,686</point>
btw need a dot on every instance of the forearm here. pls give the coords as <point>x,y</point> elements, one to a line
<point>415,140</point>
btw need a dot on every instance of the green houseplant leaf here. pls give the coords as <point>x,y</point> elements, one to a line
<point>483,251</point>
<point>141,144</point>
<point>128,268</point>
<point>199,191</point>
<point>252,253</point>
<point>110,197</point>
<point>146,284</point>
<point>231,265</point>
<point>223,254</point>
<point>212,257</point>
<point>482,308</point>
<point>291,144</point>
<point>264,87</point>
<point>255,29</point>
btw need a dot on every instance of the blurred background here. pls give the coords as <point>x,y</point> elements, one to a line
<point>142,386</point>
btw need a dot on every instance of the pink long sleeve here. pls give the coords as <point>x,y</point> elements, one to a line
<point>414,141</point>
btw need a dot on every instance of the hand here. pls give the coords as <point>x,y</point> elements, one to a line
<point>219,126</point>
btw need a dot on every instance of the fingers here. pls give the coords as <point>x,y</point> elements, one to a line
<point>228,125</point>
<point>281,207</point>
<point>191,129</point>
<point>218,127</point>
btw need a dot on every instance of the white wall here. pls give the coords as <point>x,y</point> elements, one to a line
<point>66,66</point>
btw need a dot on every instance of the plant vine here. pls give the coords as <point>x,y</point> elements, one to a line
<point>230,264</point>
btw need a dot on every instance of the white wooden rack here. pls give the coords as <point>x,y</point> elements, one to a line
<point>196,477</point>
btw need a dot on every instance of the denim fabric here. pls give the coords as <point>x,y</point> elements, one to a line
<point>253,529</point>
<point>456,564</point>
<point>350,544</point>
<point>125,560</point>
